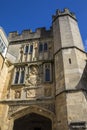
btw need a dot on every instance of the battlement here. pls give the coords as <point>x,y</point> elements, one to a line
<point>66,11</point>
<point>28,34</point>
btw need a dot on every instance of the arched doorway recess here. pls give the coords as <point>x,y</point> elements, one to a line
<point>32,121</point>
<point>38,118</point>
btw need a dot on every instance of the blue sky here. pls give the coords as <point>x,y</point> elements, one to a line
<point>31,14</point>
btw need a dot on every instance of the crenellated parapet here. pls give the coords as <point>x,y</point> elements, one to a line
<point>28,34</point>
<point>65,12</point>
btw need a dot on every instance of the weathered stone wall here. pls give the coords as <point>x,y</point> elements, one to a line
<point>74,64</point>
<point>1,62</point>
<point>70,65</point>
<point>76,106</point>
<point>65,31</point>
<point>5,79</point>
<point>59,73</point>
<point>61,111</point>
<point>4,116</point>
<point>3,76</point>
<point>56,36</point>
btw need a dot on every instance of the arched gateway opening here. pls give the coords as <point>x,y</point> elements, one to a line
<point>32,121</point>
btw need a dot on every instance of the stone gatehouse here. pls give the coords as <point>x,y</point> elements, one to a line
<point>43,77</point>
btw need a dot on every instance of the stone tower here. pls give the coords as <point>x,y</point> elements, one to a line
<point>70,63</point>
<point>43,78</point>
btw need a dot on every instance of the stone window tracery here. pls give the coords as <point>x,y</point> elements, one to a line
<point>22,76</point>
<point>31,49</point>
<point>26,49</point>
<point>16,77</point>
<point>2,46</point>
<point>43,47</point>
<point>47,72</point>
<point>19,75</point>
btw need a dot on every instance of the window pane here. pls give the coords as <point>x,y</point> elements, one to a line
<point>22,77</point>
<point>40,48</point>
<point>16,77</point>
<point>26,49</point>
<point>45,46</point>
<point>1,47</point>
<point>47,75</point>
<point>31,48</point>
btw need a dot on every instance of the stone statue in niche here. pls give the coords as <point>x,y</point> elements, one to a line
<point>33,77</point>
<point>21,54</point>
<point>8,94</point>
<point>17,94</point>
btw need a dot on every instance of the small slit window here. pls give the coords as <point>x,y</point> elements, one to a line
<point>70,61</point>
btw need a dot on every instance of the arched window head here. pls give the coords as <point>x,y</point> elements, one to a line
<point>45,47</point>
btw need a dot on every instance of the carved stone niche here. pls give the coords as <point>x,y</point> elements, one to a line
<point>47,92</point>
<point>30,93</point>
<point>21,54</point>
<point>17,94</point>
<point>33,76</point>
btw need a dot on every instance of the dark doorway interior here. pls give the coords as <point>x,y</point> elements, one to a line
<point>32,122</point>
<point>37,128</point>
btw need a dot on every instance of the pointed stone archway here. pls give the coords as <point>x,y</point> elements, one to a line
<point>32,118</point>
<point>32,121</point>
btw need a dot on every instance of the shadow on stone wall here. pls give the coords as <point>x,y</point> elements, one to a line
<point>82,85</point>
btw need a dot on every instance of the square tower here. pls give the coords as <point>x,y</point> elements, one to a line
<point>70,64</point>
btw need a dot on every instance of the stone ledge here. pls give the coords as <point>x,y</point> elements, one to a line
<point>28,102</point>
